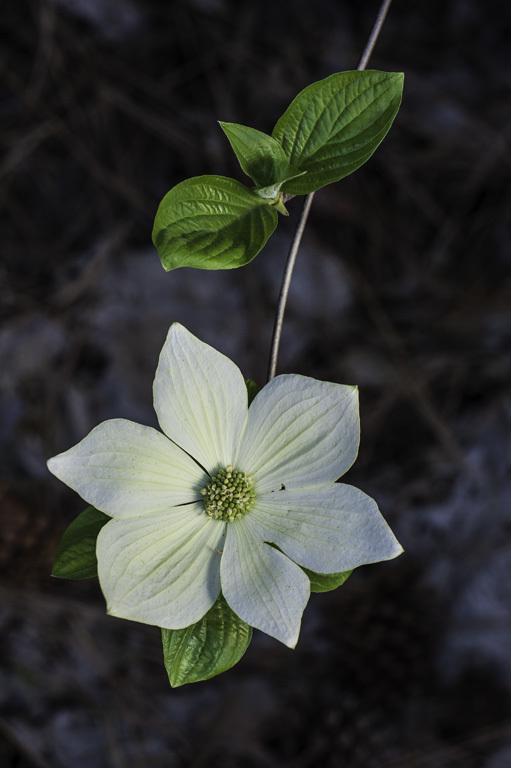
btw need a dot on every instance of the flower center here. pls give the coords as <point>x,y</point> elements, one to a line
<point>229,494</point>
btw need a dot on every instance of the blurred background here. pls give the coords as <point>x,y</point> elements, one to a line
<point>402,286</point>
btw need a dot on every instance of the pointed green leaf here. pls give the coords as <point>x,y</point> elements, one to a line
<point>76,554</point>
<point>211,646</point>
<point>261,157</point>
<point>252,389</point>
<point>211,222</point>
<point>321,582</point>
<point>333,126</point>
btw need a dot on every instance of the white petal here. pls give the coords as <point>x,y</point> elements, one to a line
<point>262,585</point>
<point>200,398</point>
<point>125,469</point>
<point>300,433</point>
<point>161,569</point>
<point>327,530</point>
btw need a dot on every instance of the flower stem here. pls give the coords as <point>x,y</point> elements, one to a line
<point>295,245</point>
<point>373,37</point>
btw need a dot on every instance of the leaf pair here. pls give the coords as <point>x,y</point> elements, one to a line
<point>205,649</point>
<point>329,130</point>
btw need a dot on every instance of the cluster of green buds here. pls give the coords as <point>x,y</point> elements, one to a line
<point>229,494</point>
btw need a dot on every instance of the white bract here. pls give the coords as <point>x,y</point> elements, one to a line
<point>230,498</point>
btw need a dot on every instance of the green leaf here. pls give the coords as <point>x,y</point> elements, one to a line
<point>76,553</point>
<point>211,646</point>
<point>333,126</point>
<point>261,157</point>
<point>252,389</point>
<point>321,582</point>
<point>211,222</point>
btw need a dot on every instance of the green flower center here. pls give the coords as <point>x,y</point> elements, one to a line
<point>229,495</point>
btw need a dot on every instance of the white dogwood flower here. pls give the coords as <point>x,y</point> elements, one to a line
<point>229,498</point>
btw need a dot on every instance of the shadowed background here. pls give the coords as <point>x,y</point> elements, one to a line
<point>402,287</point>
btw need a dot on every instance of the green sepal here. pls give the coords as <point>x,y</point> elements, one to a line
<point>76,553</point>
<point>261,157</point>
<point>280,207</point>
<point>205,649</point>
<point>211,222</point>
<point>326,582</point>
<point>334,125</point>
<point>252,389</point>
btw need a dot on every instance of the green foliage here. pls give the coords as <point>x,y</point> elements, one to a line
<point>333,126</point>
<point>76,554</point>
<point>211,646</point>
<point>252,389</point>
<point>321,582</point>
<point>211,222</point>
<point>328,131</point>
<point>261,157</point>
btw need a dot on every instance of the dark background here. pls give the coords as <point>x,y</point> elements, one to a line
<point>402,287</point>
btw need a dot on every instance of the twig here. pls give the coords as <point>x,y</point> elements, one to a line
<point>295,245</point>
<point>284,288</point>
<point>378,24</point>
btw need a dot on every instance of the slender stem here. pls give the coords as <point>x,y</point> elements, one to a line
<point>378,24</point>
<point>295,245</point>
<point>284,288</point>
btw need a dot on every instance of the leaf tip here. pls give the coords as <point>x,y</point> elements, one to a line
<point>280,207</point>
<point>399,77</point>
